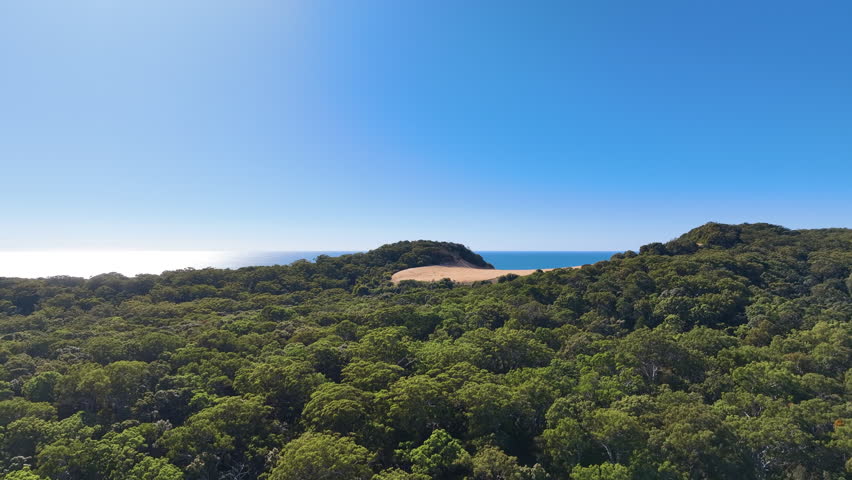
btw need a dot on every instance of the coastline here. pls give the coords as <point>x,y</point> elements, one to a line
<point>459,274</point>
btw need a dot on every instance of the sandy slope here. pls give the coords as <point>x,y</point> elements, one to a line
<point>461,274</point>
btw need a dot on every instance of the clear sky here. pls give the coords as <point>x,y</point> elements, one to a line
<point>596,125</point>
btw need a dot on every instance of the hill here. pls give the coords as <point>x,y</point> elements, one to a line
<point>723,353</point>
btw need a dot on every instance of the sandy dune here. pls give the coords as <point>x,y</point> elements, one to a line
<point>460,274</point>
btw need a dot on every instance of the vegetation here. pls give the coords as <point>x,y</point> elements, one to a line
<point>725,353</point>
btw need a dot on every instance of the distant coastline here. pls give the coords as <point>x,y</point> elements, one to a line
<point>83,263</point>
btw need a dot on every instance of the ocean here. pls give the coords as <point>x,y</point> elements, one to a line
<point>535,259</point>
<point>87,263</point>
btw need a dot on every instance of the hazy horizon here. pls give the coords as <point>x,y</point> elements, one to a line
<point>88,263</point>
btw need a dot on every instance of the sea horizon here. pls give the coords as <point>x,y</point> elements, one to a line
<point>89,263</point>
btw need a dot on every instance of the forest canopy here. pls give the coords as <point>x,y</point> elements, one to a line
<point>724,353</point>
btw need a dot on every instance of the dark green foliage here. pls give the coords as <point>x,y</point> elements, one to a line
<point>724,353</point>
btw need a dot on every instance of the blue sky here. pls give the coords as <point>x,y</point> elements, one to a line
<point>344,125</point>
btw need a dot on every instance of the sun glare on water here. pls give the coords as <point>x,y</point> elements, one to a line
<point>87,263</point>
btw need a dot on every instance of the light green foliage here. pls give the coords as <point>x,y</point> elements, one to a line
<point>338,408</point>
<point>15,408</point>
<point>117,455</point>
<point>604,471</point>
<point>388,344</point>
<point>23,474</point>
<point>371,376</point>
<point>491,463</point>
<point>150,468</point>
<point>24,435</point>
<point>617,432</point>
<point>398,474</point>
<point>151,345</point>
<point>319,456</point>
<point>440,456</point>
<point>110,390</point>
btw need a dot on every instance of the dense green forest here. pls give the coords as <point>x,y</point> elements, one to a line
<point>724,353</point>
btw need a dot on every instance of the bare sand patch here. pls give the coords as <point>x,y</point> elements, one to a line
<point>459,274</point>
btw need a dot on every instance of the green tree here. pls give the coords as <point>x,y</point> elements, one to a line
<point>338,408</point>
<point>320,456</point>
<point>505,349</point>
<point>40,388</point>
<point>491,463</point>
<point>564,443</point>
<point>23,474</point>
<point>617,432</point>
<point>399,474</point>
<point>24,435</point>
<point>15,408</point>
<point>233,431</point>
<point>440,456</point>
<point>385,344</point>
<point>604,471</point>
<point>150,468</point>
<point>775,444</point>
<point>497,411</point>
<point>417,404</point>
<point>285,383</point>
<point>371,376</point>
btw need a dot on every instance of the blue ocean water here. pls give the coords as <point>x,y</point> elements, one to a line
<point>529,260</point>
<point>252,259</point>
<point>508,260</point>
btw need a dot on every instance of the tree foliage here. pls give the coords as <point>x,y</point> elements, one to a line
<point>724,353</point>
